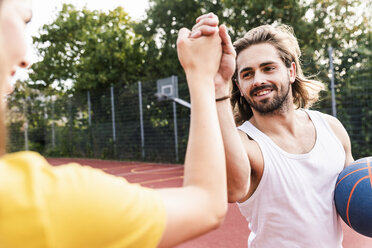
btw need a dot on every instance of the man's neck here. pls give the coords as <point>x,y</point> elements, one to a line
<point>276,122</point>
<point>293,131</point>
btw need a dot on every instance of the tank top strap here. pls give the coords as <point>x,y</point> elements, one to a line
<point>322,126</point>
<point>250,130</point>
<point>264,142</point>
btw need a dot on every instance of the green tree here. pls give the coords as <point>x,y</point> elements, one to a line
<point>160,29</point>
<point>318,24</point>
<point>90,49</point>
<point>342,24</point>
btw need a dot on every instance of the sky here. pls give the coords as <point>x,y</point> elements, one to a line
<point>44,12</point>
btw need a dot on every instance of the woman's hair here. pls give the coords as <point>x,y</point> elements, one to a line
<point>2,86</point>
<point>305,92</point>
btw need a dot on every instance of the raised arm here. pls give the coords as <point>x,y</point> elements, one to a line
<point>235,144</point>
<point>201,204</point>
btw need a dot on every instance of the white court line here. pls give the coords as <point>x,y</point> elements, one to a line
<point>120,167</point>
<point>146,172</point>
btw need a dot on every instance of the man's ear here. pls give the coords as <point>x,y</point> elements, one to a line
<point>292,72</point>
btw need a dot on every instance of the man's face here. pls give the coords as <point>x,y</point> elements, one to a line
<point>264,80</point>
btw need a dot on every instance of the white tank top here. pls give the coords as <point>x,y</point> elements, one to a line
<point>293,205</point>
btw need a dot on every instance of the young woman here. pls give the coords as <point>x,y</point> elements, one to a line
<point>75,206</point>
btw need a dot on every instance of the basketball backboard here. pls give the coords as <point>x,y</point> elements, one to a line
<point>167,88</point>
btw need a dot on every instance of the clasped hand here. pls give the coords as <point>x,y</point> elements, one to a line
<point>207,26</point>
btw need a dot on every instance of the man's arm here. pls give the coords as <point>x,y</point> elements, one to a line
<point>237,162</point>
<point>236,145</point>
<point>201,204</point>
<point>342,135</point>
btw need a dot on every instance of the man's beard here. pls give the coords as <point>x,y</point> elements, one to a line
<point>270,106</point>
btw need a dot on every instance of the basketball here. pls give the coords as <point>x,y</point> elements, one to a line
<point>353,196</point>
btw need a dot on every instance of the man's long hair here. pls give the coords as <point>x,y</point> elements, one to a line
<point>305,91</point>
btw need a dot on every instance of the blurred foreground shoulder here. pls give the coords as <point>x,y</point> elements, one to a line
<point>74,206</point>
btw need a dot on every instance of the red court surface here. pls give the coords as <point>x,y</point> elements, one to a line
<point>234,231</point>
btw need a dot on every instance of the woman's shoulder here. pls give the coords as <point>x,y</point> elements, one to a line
<point>24,156</point>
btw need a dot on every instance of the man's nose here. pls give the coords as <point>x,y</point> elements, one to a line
<point>259,79</point>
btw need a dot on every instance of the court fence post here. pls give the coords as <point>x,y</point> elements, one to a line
<point>71,125</point>
<point>53,131</point>
<point>141,120</point>
<point>25,124</point>
<point>113,119</point>
<point>334,112</point>
<point>90,147</point>
<point>175,82</point>
<point>89,109</point>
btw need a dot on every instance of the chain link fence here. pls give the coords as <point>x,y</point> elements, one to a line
<point>128,122</point>
<point>124,122</point>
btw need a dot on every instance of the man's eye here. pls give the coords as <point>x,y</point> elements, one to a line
<point>270,68</point>
<point>247,74</point>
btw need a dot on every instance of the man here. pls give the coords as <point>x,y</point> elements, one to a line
<point>283,162</point>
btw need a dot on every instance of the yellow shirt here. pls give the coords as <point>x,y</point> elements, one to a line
<point>73,206</point>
